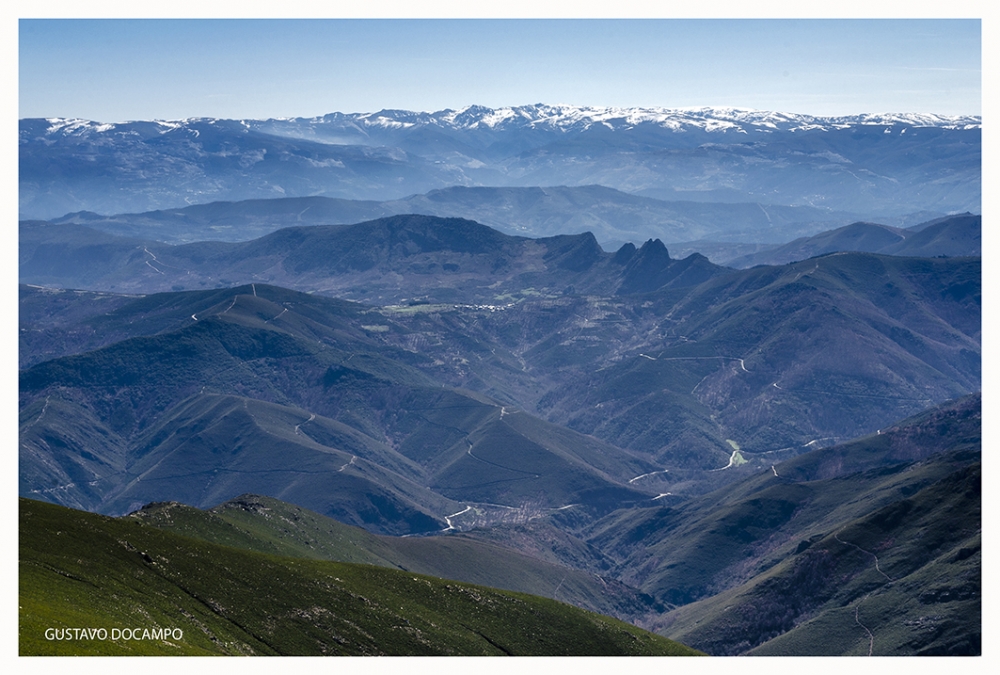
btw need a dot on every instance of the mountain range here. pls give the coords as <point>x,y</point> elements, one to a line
<point>958,235</point>
<point>315,385</point>
<point>405,383</point>
<point>874,165</point>
<point>612,216</point>
<point>871,547</point>
<point>395,259</point>
<point>682,370</point>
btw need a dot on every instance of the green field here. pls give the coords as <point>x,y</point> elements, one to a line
<point>84,571</point>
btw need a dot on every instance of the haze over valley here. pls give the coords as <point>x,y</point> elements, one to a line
<point>712,372</point>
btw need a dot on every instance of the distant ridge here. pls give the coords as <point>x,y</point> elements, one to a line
<point>612,215</point>
<point>959,235</point>
<point>874,164</point>
<point>400,258</point>
<point>556,117</point>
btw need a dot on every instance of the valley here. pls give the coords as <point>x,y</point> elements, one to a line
<point>885,529</point>
<point>722,357</point>
<point>419,380</point>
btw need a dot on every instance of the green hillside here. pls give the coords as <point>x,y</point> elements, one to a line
<point>268,525</point>
<point>80,570</point>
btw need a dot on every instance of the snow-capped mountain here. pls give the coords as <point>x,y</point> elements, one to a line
<point>564,118</point>
<point>866,163</point>
<point>579,118</point>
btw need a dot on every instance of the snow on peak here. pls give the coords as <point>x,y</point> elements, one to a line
<point>68,125</point>
<point>559,118</point>
<point>710,119</point>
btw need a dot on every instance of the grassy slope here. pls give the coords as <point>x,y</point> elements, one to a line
<point>83,570</point>
<point>923,597</point>
<point>268,525</point>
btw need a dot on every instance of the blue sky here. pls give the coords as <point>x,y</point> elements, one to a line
<point>116,70</point>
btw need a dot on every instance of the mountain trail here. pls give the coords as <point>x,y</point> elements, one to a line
<point>699,358</point>
<point>802,274</point>
<point>652,473</point>
<point>871,637</point>
<point>447,519</point>
<point>735,459</point>
<point>297,426</point>
<point>504,412</point>
<point>836,535</point>
<point>45,407</point>
<point>161,263</point>
<point>558,587</point>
